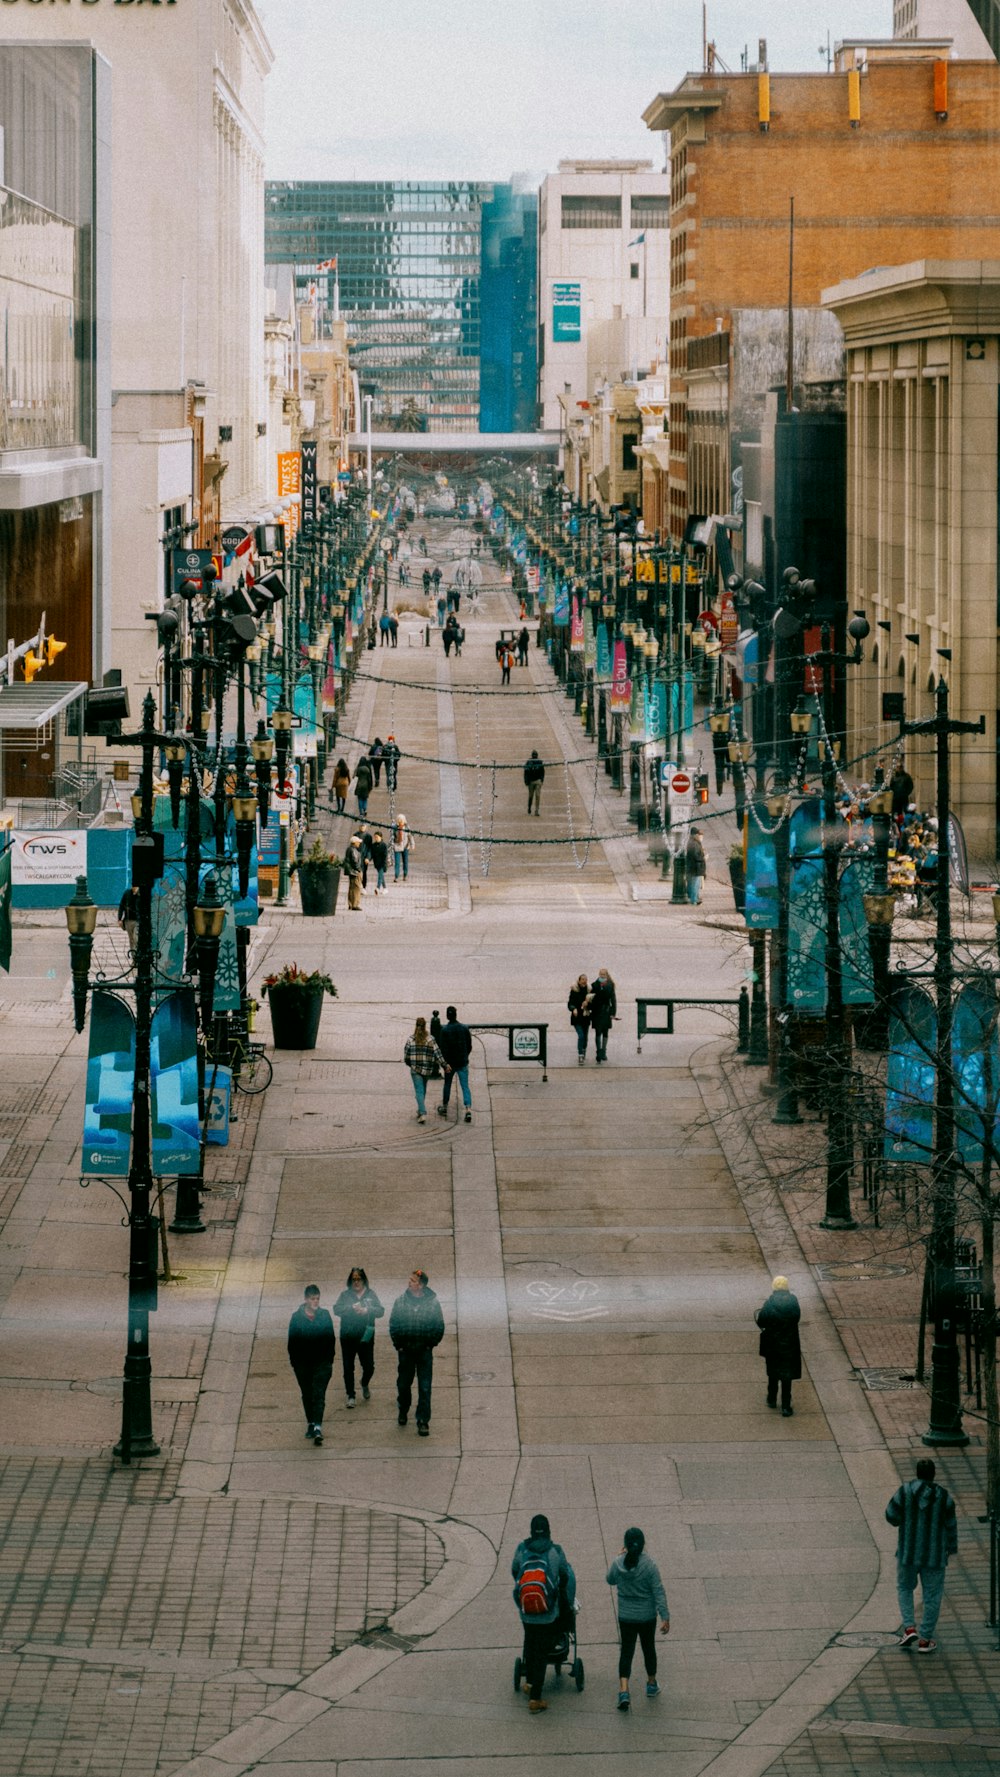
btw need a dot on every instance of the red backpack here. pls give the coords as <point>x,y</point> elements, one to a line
<point>536,1593</point>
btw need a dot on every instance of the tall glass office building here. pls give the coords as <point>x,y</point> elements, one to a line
<point>438,281</point>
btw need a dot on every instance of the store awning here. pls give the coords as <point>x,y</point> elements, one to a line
<point>34,706</point>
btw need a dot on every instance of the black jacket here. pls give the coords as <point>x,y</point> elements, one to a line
<point>380,854</point>
<point>311,1343</point>
<point>455,1043</point>
<point>605,1004</point>
<point>352,1324</point>
<point>778,1320</point>
<point>534,771</point>
<point>695,856</point>
<point>578,997</point>
<point>416,1322</point>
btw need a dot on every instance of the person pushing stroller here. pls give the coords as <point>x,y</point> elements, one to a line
<point>544,1592</point>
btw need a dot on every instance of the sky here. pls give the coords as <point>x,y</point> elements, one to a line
<point>483,89</point>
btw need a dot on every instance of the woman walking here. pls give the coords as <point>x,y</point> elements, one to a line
<point>341,783</point>
<point>580,1007</point>
<point>641,1599</point>
<point>357,1308</point>
<point>422,1056</point>
<point>778,1320</point>
<point>604,1010</point>
<point>402,848</point>
<point>375,759</point>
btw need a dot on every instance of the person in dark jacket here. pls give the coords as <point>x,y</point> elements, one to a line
<point>696,866</point>
<point>380,862</point>
<point>901,790</point>
<point>128,916</point>
<point>541,1627</point>
<point>778,1320</point>
<point>603,1012</point>
<point>534,777</point>
<point>924,1515</point>
<point>416,1325</point>
<point>357,1308</point>
<point>375,759</point>
<point>311,1345</point>
<point>390,754</point>
<point>580,1007</point>
<point>455,1043</point>
<point>522,648</point>
<point>352,870</point>
<point>393,628</point>
<point>363,783</point>
<point>450,633</point>
<point>641,1599</point>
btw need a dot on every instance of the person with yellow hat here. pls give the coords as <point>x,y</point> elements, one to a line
<point>778,1319</point>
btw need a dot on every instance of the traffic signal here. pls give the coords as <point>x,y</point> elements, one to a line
<point>32,665</point>
<point>52,648</point>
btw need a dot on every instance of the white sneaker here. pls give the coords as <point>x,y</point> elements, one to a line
<point>350,1400</point>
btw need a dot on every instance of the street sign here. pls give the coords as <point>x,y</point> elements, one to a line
<point>729,625</point>
<point>233,537</point>
<point>680,784</point>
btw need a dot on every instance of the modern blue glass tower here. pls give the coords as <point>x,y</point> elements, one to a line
<point>438,281</point>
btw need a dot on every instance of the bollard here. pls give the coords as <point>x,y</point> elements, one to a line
<point>427,635</point>
<point>743,1023</point>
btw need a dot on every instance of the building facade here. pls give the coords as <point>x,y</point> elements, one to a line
<point>603,264</point>
<point>964,21</point>
<point>188,403</point>
<point>436,281</point>
<point>923,481</point>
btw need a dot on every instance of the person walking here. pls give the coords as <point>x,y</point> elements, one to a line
<point>450,633</point>
<point>603,1012</point>
<point>423,551</point>
<point>402,848</point>
<point>357,1308</point>
<point>128,916</point>
<point>923,1512</point>
<point>422,1055</point>
<point>534,777</point>
<point>696,866</point>
<point>522,646</point>
<point>416,1326</point>
<point>352,870</point>
<point>375,759</point>
<point>901,789</point>
<point>441,607</point>
<point>390,754</point>
<point>341,783</point>
<point>436,577</point>
<point>363,783</point>
<point>365,836</point>
<point>383,625</point>
<point>544,1592</point>
<point>581,1005</point>
<point>641,1599</point>
<point>427,582</point>
<point>380,860</point>
<point>778,1320</point>
<point>506,662</point>
<point>455,1043</point>
<point>311,1345</point>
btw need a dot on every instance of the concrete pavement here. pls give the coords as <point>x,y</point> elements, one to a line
<point>599,1243</point>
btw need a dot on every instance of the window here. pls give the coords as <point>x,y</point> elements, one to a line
<point>592,212</point>
<point>629,458</point>
<point>633,270</point>
<point>651,212</point>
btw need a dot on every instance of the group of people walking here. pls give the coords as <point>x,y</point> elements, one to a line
<point>592,1005</point>
<point>367,774</point>
<point>416,1327</point>
<point>439,1053</point>
<point>370,848</point>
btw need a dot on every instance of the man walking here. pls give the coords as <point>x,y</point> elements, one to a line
<point>506,662</point>
<point>353,864</point>
<point>416,1325</point>
<point>534,777</point>
<point>455,1043</point>
<point>695,866</point>
<point>544,1591</point>
<point>390,755</point>
<point>311,1345</point>
<point>924,1515</point>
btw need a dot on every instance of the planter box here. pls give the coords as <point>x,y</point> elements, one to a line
<point>318,888</point>
<point>295,1016</point>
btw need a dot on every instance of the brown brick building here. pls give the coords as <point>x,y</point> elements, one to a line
<point>892,157</point>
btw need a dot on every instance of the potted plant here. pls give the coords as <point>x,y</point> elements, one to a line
<point>738,878</point>
<point>319,880</point>
<point>296,999</point>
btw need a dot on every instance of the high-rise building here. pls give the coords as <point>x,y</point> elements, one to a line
<point>437,282</point>
<point>972,25</point>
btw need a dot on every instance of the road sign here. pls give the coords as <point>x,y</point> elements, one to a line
<point>233,537</point>
<point>680,784</point>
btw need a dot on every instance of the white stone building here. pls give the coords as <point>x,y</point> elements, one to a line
<point>943,18</point>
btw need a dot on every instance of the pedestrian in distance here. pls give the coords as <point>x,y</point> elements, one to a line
<point>416,1326</point>
<point>459,638</point>
<point>422,1056</point>
<point>522,645</point>
<point>375,759</point>
<point>450,633</point>
<point>436,577</point>
<point>311,1346</point>
<point>402,848</point>
<point>365,836</point>
<point>383,624</point>
<point>603,1012</point>
<point>534,777</point>
<point>393,628</point>
<point>506,662</point>
<point>128,916</point>
<point>696,866</point>
<point>390,754</point>
<point>427,582</point>
<point>341,783</point>
<point>581,1006</point>
<point>455,1043</point>
<point>901,789</point>
<point>363,783</point>
<point>357,1308</point>
<point>778,1320</point>
<point>544,1592</point>
<point>641,1599</point>
<point>380,860</point>
<point>923,1512</point>
<point>423,551</point>
<point>352,870</point>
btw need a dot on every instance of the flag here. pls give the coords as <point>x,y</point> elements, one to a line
<point>640,240</point>
<point>327,264</point>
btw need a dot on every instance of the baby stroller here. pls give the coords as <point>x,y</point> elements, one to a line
<point>563,1650</point>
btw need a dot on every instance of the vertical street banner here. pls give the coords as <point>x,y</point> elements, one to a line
<point>975,1052</point>
<point>565,313</point>
<point>909,1092</point>
<point>289,474</point>
<point>621,684</point>
<point>309,483</point>
<point>589,640</point>
<point>107,1111</point>
<point>176,1144</point>
<point>577,643</point>
<point>560,608</point>
<point>6,936</point>
<point>761,911</point>
<point>603,639</point>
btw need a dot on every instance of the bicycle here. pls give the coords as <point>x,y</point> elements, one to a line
<point>251,1066</point>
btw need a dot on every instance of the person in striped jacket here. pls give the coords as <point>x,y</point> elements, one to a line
<point>924,1515</point>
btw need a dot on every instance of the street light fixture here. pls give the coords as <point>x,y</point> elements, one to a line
<point>209,919</point>
<point>81,922</point>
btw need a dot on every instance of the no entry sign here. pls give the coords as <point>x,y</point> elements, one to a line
<point>680,783</point>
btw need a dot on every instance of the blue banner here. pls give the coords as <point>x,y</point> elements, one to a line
<point>176,1144</point>
<point>909,1096</point>
<point>975,1049</point>
<point>761,906</point>
<point>560,610</point>
<point>603,652</point>
<point>107,1113</point>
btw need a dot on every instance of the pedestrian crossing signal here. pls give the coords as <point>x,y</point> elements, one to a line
<point>52,649</point>
<point>32,665</point>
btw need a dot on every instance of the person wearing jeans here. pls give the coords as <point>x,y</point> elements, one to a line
<point>695,867</point>
<point>402,845</point>
<point>311,1345</point>
<point>579,1005</point>
<point>416,1326</point>
<point>455,1043</point>
<point>924,1515</point>
<point>422,1055</point>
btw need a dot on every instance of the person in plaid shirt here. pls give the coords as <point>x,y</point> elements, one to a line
<point>422,1056</point>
